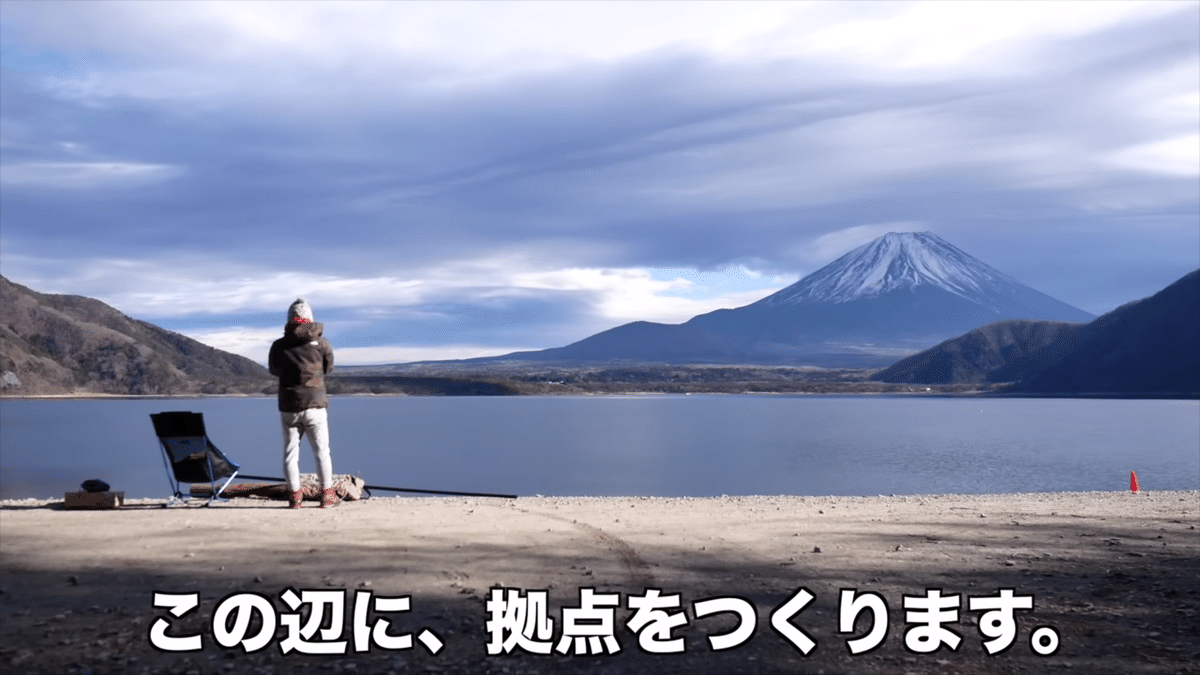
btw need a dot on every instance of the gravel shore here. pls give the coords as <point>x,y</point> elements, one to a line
<point>1111,576</point>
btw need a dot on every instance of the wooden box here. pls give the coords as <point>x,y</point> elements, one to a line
<point>93,500</point>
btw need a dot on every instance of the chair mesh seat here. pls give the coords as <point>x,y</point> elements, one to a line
<point>189,455</point>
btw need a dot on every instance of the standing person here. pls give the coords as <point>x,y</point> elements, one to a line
<point>300,359</point>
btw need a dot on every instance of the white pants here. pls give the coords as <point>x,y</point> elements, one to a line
<point>313,423</point>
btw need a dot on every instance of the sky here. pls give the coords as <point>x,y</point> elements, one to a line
<point>457,179</point>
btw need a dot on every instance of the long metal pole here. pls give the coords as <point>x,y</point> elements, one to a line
<point>400,489</point>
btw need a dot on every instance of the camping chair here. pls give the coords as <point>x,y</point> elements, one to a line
<point>189,456</point>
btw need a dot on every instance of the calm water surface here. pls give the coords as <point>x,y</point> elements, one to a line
<point>638,445</point>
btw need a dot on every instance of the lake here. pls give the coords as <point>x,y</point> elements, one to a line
<point>700,445</point>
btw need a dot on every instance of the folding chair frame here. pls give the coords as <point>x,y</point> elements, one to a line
<point>212,474</point>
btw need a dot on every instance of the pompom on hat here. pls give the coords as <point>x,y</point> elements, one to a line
<point>300,310</point>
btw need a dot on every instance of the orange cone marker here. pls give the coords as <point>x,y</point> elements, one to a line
<point>1133,486</point>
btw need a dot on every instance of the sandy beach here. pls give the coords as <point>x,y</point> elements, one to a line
<point>1111,576</point>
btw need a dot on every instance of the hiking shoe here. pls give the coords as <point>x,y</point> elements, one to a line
<point>329,498</point>
<point>296,500</point>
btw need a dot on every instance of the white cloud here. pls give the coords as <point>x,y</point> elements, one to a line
<point>85,175</point>
<point>253,343</point>
<point>177,84</point>
<point>923,35</point>
<point>1166,98</point>
<point>513,34</point>
<point>829,247</point>
<point>401,353</point>
<point>182,287</point>
<point>460,43</point>
<point>1178,156</point>
<point>193,284</point>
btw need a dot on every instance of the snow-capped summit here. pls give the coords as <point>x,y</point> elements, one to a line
<point>895,261</point>
<point>899,294</point>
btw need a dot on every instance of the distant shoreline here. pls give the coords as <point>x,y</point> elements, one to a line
<point>864,394</point>
<point>88,397</point>
<point>602,379</point>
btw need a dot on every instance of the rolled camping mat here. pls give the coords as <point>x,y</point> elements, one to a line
<point>349,488</point>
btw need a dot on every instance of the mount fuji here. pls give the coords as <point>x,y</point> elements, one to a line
<point>896,295</point>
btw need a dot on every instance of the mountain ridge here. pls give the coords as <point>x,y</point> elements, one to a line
<point>1148,346</point>
<point>70,344</point>
<point>1003,351</point>
<point>889,298</point>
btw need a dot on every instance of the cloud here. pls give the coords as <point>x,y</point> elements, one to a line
<point>436,174</point>
<point>962,35</point>
<point>1178,156</point>
<point>411,353</point>
<point>85,175</point>
<point>255,344</point>
<point>828,247</point>
<point>251,342</point>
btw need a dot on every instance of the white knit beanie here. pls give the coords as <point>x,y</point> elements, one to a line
<point>300,309</point>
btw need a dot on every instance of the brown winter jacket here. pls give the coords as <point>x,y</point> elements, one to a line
<point>300,359</point>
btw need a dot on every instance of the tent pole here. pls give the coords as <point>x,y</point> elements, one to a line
<point>400,489</point>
